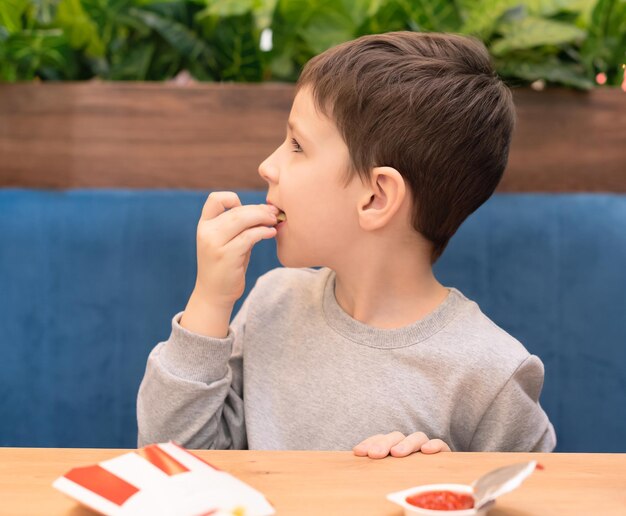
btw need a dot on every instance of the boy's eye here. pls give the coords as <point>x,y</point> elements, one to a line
<point>296,146</point>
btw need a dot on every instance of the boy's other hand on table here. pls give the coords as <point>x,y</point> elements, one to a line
<point>398,445</point>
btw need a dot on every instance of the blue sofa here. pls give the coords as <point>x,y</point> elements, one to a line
<point>90,279</point>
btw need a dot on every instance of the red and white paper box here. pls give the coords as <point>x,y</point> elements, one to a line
<point>161,479</point>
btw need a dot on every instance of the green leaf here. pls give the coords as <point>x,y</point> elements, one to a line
<point>179,36</point>
<point>433,15</point>
<point>533,32</point>
<point>262,10</point>
<point>605,48</point>
<point>546,8</point>
<point>11,12</point>
<point>237,51</point>
<point>383,16</point>
<point>225,8</point>
<point>328,28</point>
<point>81,30</point>
<point>31,50</point>
<point>134,65</point>
<point>481,17</point>
<point>321,24</point>
<point>44,11</point>
<point>551,70</point>
<point>283,66</point>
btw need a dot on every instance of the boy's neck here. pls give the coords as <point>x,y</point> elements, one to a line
<point>388,289</point>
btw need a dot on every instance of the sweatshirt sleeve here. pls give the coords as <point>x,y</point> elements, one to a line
<point>192,390</point>
<point>514,421</point>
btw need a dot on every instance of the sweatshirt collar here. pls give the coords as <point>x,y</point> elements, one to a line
<point>370,336</point>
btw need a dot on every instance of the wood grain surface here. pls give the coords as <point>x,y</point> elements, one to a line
<point>214,136</point>
<point>568,141</point>
<point>329,483</point>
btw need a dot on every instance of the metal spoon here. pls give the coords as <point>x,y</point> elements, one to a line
<point>500,481</point>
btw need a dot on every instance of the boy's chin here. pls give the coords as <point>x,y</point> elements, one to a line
<point>290,260</point>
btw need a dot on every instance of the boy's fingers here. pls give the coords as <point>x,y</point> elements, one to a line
<point>219,202</point>
<point>410,444</point>
<point>435,446</point>
<point>227,226</point>
<point>362,448</point>
<point>243,243</point>
<point>233,222</point>
<point>381,446</point>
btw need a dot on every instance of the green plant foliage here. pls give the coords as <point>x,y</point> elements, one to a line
<point>604,50</point>
<point>234,40</point>
<point>531,32</point>
<point>11,14</point>
<point>81,31</point>
<point>560,42</point>
<point>428,15</point>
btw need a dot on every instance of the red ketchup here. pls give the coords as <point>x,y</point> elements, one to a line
<point>442,500</point>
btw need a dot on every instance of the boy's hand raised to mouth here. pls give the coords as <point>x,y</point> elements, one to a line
<point>397,445</point>
<point>226,233</point>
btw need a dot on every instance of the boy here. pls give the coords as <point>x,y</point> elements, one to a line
<point>392,141</point>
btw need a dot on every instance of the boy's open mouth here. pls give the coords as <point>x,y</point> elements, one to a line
<point>281,217</point>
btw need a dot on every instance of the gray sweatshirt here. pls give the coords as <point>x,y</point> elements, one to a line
<point>297,373</point>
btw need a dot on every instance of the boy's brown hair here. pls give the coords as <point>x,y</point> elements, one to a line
<point>429,105</point>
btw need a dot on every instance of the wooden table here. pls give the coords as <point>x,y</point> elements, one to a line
<point>323,483</point>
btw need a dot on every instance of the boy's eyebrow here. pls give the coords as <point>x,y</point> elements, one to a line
<point>294,129</point>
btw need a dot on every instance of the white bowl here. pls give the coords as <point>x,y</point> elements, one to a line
<point>410,510</point>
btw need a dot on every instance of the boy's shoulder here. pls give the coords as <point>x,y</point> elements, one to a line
<point>480,339</point>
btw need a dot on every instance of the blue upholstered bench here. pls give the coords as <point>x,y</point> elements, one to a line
<point>90,279</point>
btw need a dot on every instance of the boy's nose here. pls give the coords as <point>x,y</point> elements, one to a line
<point>268,171</point>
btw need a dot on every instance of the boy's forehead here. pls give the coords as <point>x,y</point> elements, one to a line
<point>306,119</point>
<point>302,109</point>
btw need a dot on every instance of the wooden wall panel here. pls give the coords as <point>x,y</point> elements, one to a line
<point>206,136</point>
<point>139,135</point>
<point>568,141</point>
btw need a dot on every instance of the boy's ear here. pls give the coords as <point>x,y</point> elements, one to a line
<point>382,198</point>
